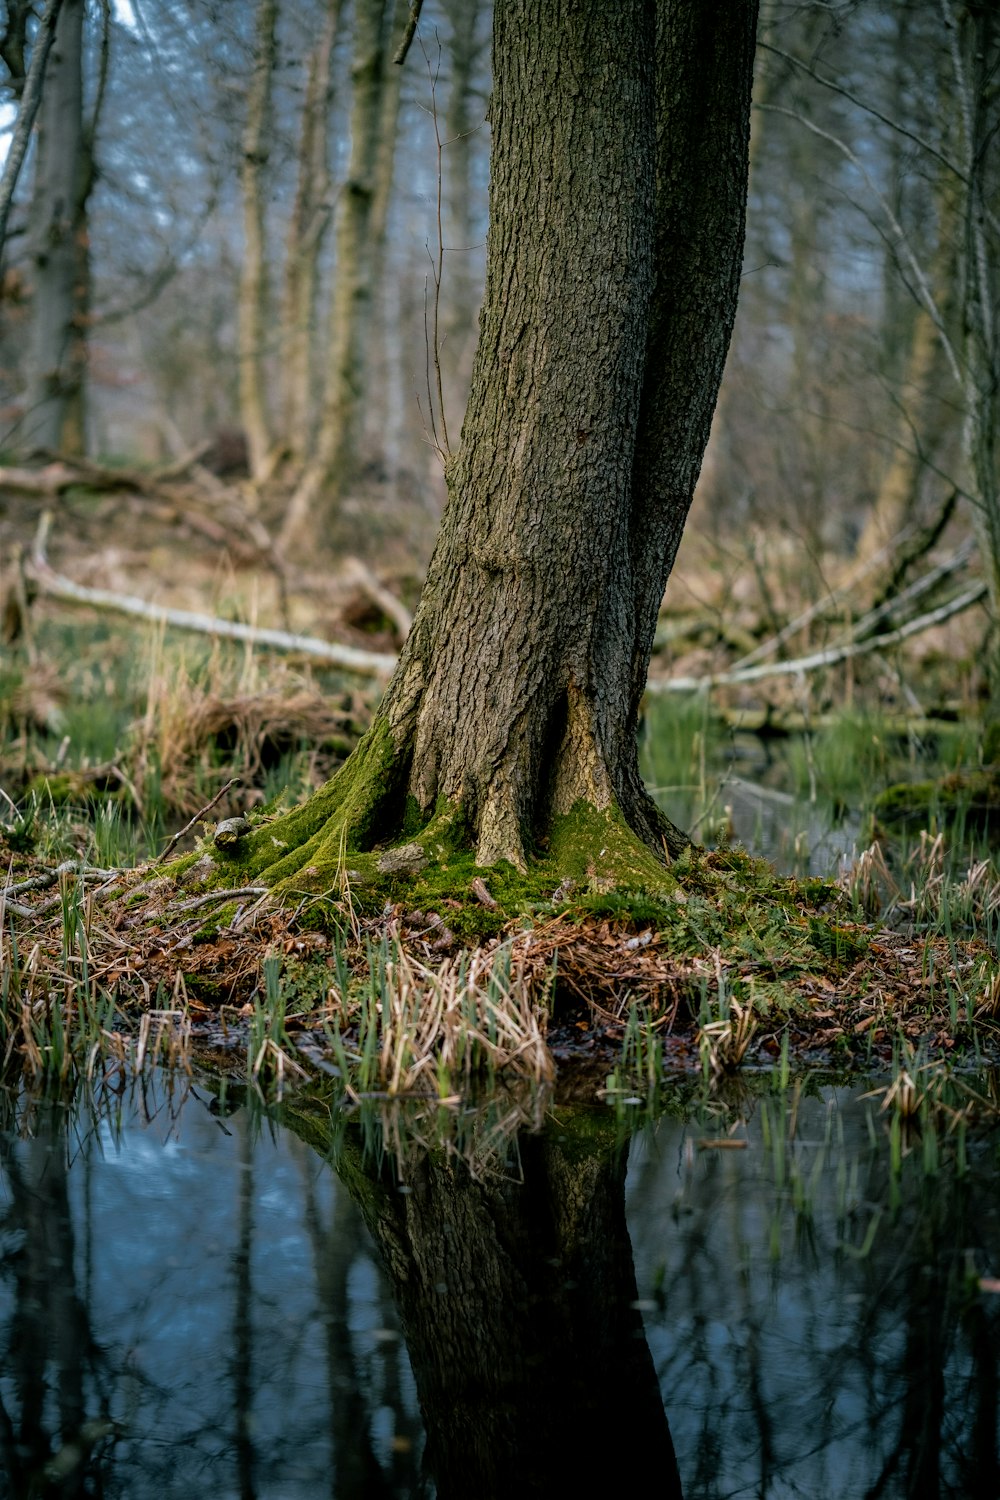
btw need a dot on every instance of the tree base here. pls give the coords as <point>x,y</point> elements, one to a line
<point>359,837</point>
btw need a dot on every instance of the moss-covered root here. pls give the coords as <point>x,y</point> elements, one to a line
<point>598,846</point>
<point>349,813</point>
<point>358,831</point>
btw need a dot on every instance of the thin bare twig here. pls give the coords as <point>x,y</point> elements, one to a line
<point>926,296</point>
<point>234,895</point>
<point>399,57</point>
<point>845,93</point>
<point>233,781</point>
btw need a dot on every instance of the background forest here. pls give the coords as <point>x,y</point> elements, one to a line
<point>242,260</point>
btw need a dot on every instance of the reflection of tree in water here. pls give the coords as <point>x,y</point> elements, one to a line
<point>239,1340</point>
<point>518,1300</point>
<point>820,1341</point>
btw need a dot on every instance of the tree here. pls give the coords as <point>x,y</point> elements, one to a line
<point>65,173</point>
<point>307,228</point>
<point>27,86</point>
<point>333,467</point>
<point>617,199</point>
<point>518,1299</point>
<point>253,308</point>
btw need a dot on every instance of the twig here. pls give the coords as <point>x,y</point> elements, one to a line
<point>233,781</point>
<point>900,240</point>
<point>838,88</point>
<point>399,57</point>
<point>210,896</point>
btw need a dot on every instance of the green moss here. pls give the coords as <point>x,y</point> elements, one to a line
<point>219,920</point>
<point>596,845</point>
<point>970,798</point>
<point>343,817</point>
<point>632,908</point>
<point>724,903</point>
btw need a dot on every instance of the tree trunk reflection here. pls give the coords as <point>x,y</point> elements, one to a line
<point>518,1301</point>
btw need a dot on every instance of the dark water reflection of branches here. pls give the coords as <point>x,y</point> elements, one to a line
<point>817,1313</point>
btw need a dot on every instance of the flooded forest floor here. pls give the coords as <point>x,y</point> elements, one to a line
<point>865,935</point>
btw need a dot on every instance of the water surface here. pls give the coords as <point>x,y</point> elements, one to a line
<point>204,1298</point>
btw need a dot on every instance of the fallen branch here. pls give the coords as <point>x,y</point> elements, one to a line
<point>41,882</point>
<point>233,781</point>
<point>239,894</point>
<point>204,504</point>
<point>825,602</point>
<point>52,479</point>
<point>827,658</point>
<point>350,658</point>
<point>394,609</point>
<point>49,877</point>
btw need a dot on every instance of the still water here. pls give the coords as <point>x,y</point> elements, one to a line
<point>772,1295</point>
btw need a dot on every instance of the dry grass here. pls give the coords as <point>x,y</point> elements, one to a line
<point>200,726</point>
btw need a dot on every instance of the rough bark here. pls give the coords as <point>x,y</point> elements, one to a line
<point>60,265</point>
<point>463,116</point>
<point>253,272</point>
<point>617,201</point>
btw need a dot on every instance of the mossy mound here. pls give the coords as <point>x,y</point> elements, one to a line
<point>969,800</point>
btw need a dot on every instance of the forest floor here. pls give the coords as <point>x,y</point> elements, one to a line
<point>117,734</point>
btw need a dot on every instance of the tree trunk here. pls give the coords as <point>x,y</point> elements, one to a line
<point>253,320</point>
<point>334,467</point>
<point>55,417</point>
<point>463,114</point>
<point>311,215</point>
<point>617,203</point>
<point>976,53</point>
<point>926,396</point>
<point>28,90</point>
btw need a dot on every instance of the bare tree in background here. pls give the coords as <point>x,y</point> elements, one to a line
<point>308,227</point>
<point>253,307</point>
<point>60,252</point>
<point>333,467</point>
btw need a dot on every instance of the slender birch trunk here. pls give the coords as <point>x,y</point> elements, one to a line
<point>253,293</point>
<point>334,466</point>
<point>307,230</point>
